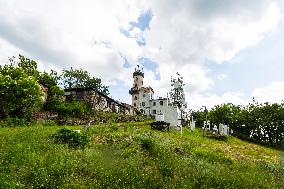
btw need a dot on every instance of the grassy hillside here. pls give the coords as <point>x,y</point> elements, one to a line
<point>134,156</point>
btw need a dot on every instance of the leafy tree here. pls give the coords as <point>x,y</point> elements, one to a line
<point>20,93</point>
<point>260,123</point>
<point>79,78</point>
<point>199,116</point>
<point>55,94</point>
<point>28,65</point>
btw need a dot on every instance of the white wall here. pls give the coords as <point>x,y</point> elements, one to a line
<point>144,98</point>
<point>171,114</point>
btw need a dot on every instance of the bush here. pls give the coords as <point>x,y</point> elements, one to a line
<point>46,122</point>
<point>149,145</point>
<point>14,122</point>
<point>74,109</point>
<point>20,92</point>
<point>71,138</point>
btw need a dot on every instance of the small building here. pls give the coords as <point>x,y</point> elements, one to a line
<point>99,101</point>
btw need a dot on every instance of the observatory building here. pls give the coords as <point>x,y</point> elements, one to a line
<point>167,109</point>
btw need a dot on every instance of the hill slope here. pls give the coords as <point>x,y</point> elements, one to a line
<point>134,156</point>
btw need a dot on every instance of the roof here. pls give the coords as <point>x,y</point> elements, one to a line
<point>147,89</point>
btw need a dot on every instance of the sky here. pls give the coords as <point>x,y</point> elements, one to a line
<point>226,51</point>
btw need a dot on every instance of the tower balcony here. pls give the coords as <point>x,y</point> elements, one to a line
<point>137,73</point>
<point>133,91</point>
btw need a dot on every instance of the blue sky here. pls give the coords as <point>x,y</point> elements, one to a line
<point>252,67</point>
<point>227,51</point>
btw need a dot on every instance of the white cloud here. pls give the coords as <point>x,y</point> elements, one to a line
<point>210,100</point>
<point>182,37</point>
<point>7,50</point>
<point>64,33</point>
<point>182,34</point>
<point>221,77</point>
<point>271,93</point>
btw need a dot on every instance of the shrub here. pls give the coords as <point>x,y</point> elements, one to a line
<point>47,122</point>
<point>73,109</point>
<point>149,145</point>
<point>71,138</point>
<point>14,122</point>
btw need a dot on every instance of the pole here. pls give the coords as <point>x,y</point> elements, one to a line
<point>206,120</point>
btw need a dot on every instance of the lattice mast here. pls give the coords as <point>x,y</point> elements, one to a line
<point>177,96</point>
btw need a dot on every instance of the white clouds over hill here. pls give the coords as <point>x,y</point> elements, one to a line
<point>181,36</point>
<point>272,93</point>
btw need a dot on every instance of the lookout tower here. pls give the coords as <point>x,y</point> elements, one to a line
<point>138,77</point>
<point>140,95</point>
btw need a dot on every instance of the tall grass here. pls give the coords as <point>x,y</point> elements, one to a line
<point>133,156</point>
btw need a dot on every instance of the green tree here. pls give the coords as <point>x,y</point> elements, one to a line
<point>55,94</point>
<point>20,92</point>
<point>79,78</point>
<point>199,116</point>
<point>28,65</point>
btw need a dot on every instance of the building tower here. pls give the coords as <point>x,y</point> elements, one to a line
<point>138,77</point>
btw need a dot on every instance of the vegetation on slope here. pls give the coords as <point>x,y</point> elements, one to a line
<point>131,155</point>
<point>256,122</point>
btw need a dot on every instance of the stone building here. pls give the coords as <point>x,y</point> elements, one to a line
<point>171,108</point>
<point>99,101</point>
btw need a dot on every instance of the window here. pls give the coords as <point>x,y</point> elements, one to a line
<point>134,104</point>
<point>135,97</point>
<point>142,82</point>
<point>154,103</point>
<point>143,104</point>
<point>154,111</point>
<point>80,95</point>
<point>135,85</point>
<point>136,79</point>
<point>144,94</point>
<point>161,103</point>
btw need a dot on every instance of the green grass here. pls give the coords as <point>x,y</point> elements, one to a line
<point>134,156</point>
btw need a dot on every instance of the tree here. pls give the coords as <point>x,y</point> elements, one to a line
<point>29,66</point>
<point>55,94</point>
<point>79,78</point>
<point>20,92</point>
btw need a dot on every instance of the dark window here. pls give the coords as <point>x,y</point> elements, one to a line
<point>80,95</point>
<point>154,103</point>
<point>135,85</point>
<point>142,82</point>
<point>144,94</point>
<point>161,103</point>
<point>135,97</point>
<point>136,78</point>
<point>134,104</point>
<point>154,111</point>
<point>143,103</point>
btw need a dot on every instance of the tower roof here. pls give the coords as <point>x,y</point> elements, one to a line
<point>138,71</point>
